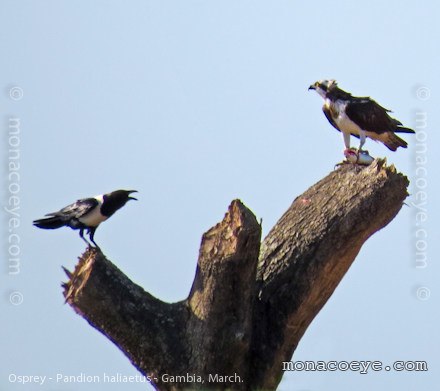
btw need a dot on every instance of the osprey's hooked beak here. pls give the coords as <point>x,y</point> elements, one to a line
<point>312,87</point>
<point>132,198</point>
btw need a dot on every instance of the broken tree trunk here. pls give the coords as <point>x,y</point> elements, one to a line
<point>247,309</point>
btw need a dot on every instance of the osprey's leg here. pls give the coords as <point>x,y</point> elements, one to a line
<point>81,234</point>
<point>362,137</point>
<point>347,146</point>
<point>346,140</point>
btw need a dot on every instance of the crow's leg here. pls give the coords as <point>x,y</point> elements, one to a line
<point>81,234</point>
<point>92,235</point>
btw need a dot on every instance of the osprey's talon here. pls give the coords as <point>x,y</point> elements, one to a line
<point>343,163</point>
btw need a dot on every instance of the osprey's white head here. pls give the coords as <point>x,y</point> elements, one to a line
<point>323,87</point>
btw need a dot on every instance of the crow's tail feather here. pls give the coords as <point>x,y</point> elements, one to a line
<point>49,223</point>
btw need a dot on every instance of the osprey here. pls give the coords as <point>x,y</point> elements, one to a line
<point>359,116</point>
<point>87,213</point>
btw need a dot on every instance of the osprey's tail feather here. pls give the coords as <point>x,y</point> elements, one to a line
<point>50,223</point>
<point>392,141</point>
<point>402,129</point>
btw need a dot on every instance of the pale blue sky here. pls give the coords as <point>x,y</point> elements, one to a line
<point>195,103</point>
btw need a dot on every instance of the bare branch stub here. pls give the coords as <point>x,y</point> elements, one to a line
<point>148,331</point>
<point>222,295</point>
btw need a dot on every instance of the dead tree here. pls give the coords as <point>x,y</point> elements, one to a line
<point>248,306</point>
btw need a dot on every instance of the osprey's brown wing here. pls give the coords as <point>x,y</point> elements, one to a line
<point>371,116</point>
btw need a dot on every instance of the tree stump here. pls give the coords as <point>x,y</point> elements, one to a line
<point>249,306</point>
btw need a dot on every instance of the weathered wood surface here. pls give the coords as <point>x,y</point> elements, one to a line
<point>248,307</point>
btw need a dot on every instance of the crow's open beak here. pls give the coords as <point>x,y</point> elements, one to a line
<point>132,198</point>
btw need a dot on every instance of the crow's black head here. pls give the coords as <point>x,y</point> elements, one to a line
<point>116,200</point>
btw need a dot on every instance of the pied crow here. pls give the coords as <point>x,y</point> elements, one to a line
<point>359,116</point>
<point>87,213</point>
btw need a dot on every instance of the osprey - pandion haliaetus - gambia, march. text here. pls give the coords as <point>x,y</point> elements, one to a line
<point>361,117</point>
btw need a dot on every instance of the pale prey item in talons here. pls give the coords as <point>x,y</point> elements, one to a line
<point>355,156</point>
<point>361,117</point>
<point>87,213</point>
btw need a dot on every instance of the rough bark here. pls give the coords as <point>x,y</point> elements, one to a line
<point>247,309</point>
